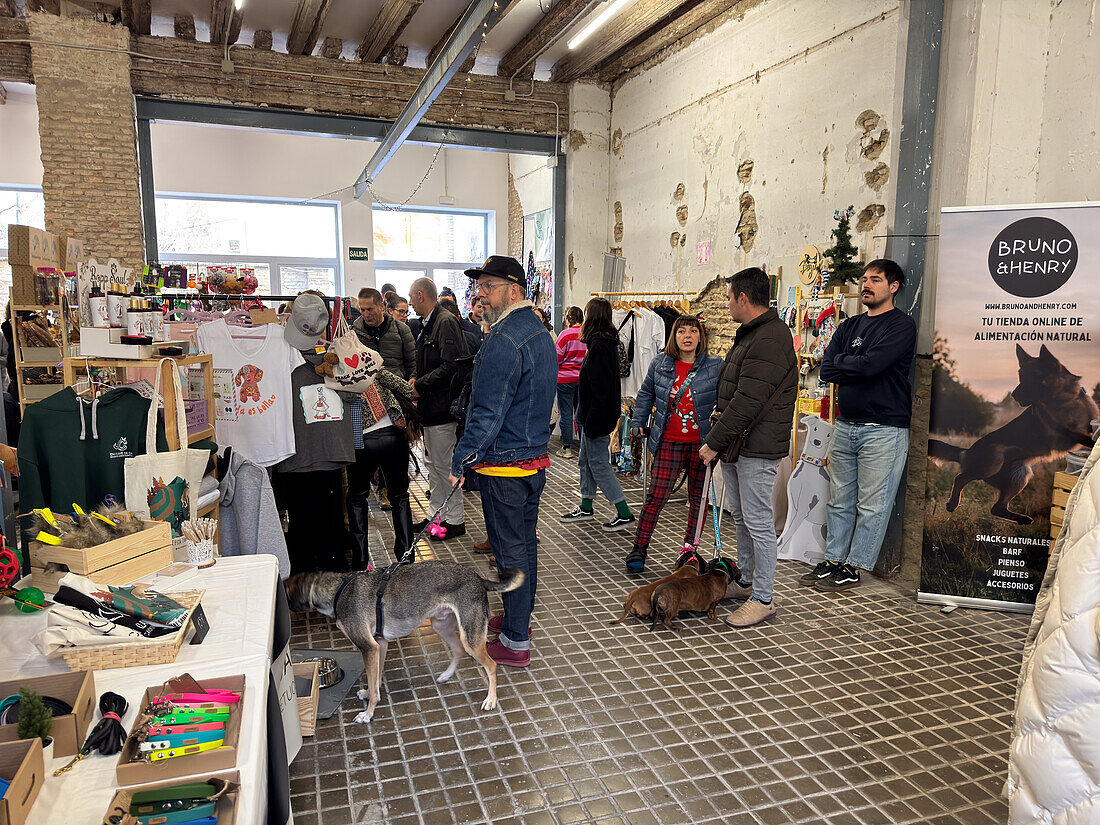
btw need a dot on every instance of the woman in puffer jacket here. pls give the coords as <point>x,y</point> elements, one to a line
<point>681,421</point>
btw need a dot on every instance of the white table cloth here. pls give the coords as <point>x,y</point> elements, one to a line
<point>240,605</point>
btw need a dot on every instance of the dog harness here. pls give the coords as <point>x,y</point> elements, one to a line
<point>379,616</point>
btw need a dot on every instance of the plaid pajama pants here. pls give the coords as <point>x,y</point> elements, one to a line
<point>668,463</point>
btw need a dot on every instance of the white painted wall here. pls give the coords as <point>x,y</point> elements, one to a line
<point>534,181</point>
<point>20,154</point>
<point>232,161</point>
<point>586,190</point>
<point>781,87</point>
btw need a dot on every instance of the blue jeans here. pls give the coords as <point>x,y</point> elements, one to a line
<point>511,506</point>
<point>567,401</point>
<point>865,466</point>
<point>596,470</point>
<point>749,485</point>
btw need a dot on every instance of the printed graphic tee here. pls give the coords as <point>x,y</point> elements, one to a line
<point>322,426</point>
<point>681,421</point>
<point>253,396</point>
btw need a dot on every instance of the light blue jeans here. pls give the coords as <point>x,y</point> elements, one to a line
<point>865,466</point>
<point>596,470</point>
<point>749,485</point>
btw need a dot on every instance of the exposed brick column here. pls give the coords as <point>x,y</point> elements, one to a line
<point>88,134</point>
<point>515,219</point>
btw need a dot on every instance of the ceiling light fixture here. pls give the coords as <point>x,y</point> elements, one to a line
<point>238,4</point>
<point>598,21</point>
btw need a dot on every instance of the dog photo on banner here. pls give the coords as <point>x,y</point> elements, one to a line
<point>1015,384</point>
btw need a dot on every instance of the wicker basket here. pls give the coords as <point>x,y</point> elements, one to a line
<point>159,651</point>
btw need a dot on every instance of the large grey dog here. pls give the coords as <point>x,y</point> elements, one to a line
<point>453,597</point>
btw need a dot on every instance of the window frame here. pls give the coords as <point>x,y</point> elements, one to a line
<point>487,216</point>
<point>28,188</point>
<point>273,262</point>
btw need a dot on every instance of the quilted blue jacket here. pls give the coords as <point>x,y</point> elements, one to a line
<point>657,387</point>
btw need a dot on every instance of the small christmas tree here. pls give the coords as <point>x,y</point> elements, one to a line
<point>845,270</point>
<point>35,719</point>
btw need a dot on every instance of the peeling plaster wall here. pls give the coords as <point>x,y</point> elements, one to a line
<point>534,185</point>
<point>758,123</point>
<point>588,215</point>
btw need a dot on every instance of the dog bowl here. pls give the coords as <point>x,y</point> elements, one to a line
<point>328,672</point>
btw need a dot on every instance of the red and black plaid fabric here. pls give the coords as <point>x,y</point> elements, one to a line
<point>671,458</point>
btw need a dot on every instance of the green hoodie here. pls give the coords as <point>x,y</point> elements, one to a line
<point>72,450</point>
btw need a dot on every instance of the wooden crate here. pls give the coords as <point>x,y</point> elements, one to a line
<point>307,705</point>
<point>1063,486</point>
<point>114,562</point>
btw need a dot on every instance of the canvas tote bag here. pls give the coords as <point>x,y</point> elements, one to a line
<point>164,486</point>
<point>355,365</point>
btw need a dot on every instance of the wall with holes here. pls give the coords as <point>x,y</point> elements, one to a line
<point>747,139</point>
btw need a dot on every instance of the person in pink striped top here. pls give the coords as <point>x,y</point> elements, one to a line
<point>570,355</point>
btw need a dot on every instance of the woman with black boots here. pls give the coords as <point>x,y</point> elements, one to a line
<point>388,419</point>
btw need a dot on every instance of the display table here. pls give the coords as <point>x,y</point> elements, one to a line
<point>240,602</point>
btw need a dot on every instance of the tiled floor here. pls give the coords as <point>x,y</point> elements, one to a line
<point>863,707</point>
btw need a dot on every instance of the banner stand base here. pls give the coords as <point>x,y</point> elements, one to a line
<point>977,604</point>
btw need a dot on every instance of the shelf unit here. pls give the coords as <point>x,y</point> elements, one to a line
<point>30,393</point>
<point>74,366</point>
<point>805,405</point>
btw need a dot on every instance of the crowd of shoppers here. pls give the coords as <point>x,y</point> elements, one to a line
<point>481,389</point>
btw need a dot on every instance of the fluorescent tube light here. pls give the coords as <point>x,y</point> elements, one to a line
<point>598,21</point>
<point>238,4</point>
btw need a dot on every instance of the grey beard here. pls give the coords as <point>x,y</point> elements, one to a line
<point>490,316</point>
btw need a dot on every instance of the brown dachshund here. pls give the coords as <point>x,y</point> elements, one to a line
<point>639,602</point>
<point>691,593</point>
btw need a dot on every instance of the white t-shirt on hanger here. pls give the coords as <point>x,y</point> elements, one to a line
<point>649,341</point>
<point>253,395</point>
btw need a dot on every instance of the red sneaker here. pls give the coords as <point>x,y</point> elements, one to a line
<point>497,622</point>
<point>506,656</point>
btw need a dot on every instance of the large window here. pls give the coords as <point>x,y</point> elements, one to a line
<point>23,205</point>
<point>289,246</point>
<point>440,244</point>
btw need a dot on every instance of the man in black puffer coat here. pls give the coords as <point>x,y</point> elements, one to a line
<point>759,377</point>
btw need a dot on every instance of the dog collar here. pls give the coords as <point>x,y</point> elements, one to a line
<point>809,459</point>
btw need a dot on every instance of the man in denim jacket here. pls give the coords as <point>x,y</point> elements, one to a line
<point>506,439</point>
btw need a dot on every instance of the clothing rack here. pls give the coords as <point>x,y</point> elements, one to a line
<point>647,299</point>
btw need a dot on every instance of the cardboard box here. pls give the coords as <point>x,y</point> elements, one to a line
<point>21,763</point>
<point>22,285</point>
<point>69,731</point>
<point>227,808</point>
<point>120,561</point>
<point>130,772</point>
<point>70,252</point>
<point>32,247</point>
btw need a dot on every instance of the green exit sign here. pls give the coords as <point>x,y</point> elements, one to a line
<point>358,253</point>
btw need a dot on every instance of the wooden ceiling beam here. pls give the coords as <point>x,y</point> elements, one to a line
<point>48,6</point>
<point>434,51</point>
<point>3,95</point>
<point>520,59</point>
<point>225,22</point>
<point>386,27</point>
<point>305,31</point>
<point>662,36</point>
<point>261,39</point>
<point>184,26</point>
<point>137,15</point>
<point>7,8</point>
<point>619,31</point>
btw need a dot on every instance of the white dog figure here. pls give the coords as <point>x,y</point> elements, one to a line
<point>803,537</point>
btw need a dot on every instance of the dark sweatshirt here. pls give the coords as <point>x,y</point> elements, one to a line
<point>73,451</point>
<point>599,398</point>
<point>870,359</point>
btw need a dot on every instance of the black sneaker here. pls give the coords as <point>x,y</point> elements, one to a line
<point>635,562</point>
<point>577,514</point>
<point>843,578</point>
<point>418,526</point>
<point>823,570</point>
<point>619,523</point>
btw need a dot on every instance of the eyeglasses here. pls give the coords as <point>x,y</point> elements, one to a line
<point>488,288</point>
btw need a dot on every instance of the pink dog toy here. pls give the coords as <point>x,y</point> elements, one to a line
<point>437,529</point>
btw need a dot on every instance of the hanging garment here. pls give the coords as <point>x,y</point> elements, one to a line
<point>323,435</point>
<point>648,330</point>
<point>253,395</point>
<point>250,521</point>
<point>73,450</point>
